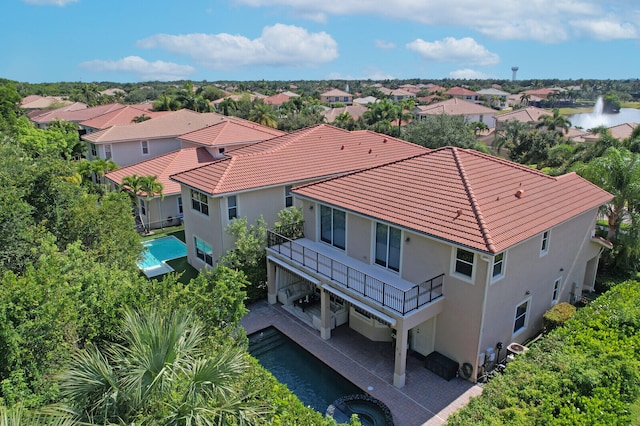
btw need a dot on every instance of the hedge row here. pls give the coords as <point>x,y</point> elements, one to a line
<point>586,372</point>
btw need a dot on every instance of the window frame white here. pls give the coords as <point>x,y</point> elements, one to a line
<point>143,207</point>
<point>288,196</point>
<point>502,262</point>
<point>197,203</point>
<point>107,152</point>
<point>555,292</point>
<point>332,241</point>
<point>144,145</point>
<point>454,265</point>
<point>524,316</point>
<point>544,242</point>
<point>386,262</point>
<point>180,205</point>
<point>204,256</point>
<point>94,150</point>
<point>232,210</point>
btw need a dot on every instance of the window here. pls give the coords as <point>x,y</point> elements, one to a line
<point>199,202</point>
<point>464,262</point>
<point>544,247</point>
<point>143,207</point>
<point>556,291</point>
<point>288,197</point>
<point>498,266</point>
<point>180,210</point>
<point>107,152</point>
<point>145,147</point>
<point>520,322</point>
<point>388,246</point>
<point>332,226</point>
<point>232,207</point>
<point>203,251</point>
<point>94,150</point>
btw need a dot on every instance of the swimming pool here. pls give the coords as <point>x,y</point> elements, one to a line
<point>311,380</point>
<point>157,252</point>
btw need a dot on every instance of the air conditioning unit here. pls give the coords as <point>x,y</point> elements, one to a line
<point>516,348</point>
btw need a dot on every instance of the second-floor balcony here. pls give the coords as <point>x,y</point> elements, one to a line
<point>370,281</point>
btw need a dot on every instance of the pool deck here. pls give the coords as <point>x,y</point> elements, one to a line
<point>425,400</point>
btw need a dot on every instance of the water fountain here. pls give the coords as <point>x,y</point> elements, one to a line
<point>598,117</point>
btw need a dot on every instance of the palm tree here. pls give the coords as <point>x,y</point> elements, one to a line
<point>151,187</point>
<point>227,105</point>
<point>165,103</point>
<point>51,416</point>
<point>525,98</point>
<point>100,167</point>
<point>557,122</point>
<point>131,184</point>
<point>264,114</point>
<point>140,118</point>
<point>160,374</point>
<point>509,135</point>
<point>618,172</point>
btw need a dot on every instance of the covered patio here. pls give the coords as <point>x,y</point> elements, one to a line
<point>426,399</point>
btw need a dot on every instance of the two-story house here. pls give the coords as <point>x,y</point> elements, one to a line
<point>470,111</point>
<point>132,143</point>
<point>451,253</point>
<point>256,180</point>
<point>334,96</point>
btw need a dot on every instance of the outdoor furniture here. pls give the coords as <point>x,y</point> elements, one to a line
<point>441,365</point>
<point>296,291</point>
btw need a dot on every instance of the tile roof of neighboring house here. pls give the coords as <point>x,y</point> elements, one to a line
<point>239,97</point>
<point>76,116</point>
<point>354,111</point>
<point>113,91</point>
<point>540,93</point>
<point>43,102</point>
<point>366,100</point>
<point>492,92</point>
<point>455,106</point>
<point>120,116</point>
<point>164,166</point>
<point>277,99</point>
<point>524,115</point>
<point>460,91</point>
<point>620,132</point>
<point>336,92</point>
<point>462,196</point>
<point>314,152</point>
<point>166,126</point>
<point>231,132</point>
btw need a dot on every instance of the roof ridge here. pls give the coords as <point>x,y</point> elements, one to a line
<point>474,203</point>
<point>232,161</point>
<point>288,142</point>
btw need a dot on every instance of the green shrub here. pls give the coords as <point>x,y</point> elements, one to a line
<point>558,315</point>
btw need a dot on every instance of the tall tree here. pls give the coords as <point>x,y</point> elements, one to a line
<point>264,114</point>
<point>440,130</point>
<point>556,122</point>
<point>152,188</point>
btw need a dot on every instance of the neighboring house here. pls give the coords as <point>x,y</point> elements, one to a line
<point>398,94</point>
<point>541,93</point>
<point>529,115</point>
<point>37,102</point>
<point>256,180</point>
<point>451,254</point>
<point>494,97</point>
<point>157,212</point>
<point>280,98</point>
<point>114,91</point>
<point>621,132</point>
<point>133,143</point>
<point>355,111</point>
<point>77,115</point>
<point>228,135</point>
<point>454,106</point>
<point>122,116</point>
<point>366,100</point>
<point>336,96</point>
<point>462,93</point>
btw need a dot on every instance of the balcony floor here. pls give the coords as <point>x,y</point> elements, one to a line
<point>425,400</point>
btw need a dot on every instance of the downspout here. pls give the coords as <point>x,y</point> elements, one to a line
<point>484,305</point>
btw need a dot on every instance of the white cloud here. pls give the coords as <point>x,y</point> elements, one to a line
<point>541,20</point>
<point>465,51</point>
<point>278,45</point>
<point>605,29</point>
<point>468,74</point>
<point>157,70</point>
<point>50,2</point>
<point>381,44</point>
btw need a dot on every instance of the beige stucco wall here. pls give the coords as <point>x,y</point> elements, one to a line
<point>204,227</point>
<point>570,248</point>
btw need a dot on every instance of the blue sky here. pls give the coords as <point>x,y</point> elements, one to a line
<point>141,40</point>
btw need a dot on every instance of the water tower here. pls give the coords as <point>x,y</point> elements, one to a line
<point>514,70</point>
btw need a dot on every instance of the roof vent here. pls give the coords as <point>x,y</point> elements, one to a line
<point>384,140</point>
<point>458,212</point>
<point>370,150</point>
<point>519,193</point>
<point>342,147</point>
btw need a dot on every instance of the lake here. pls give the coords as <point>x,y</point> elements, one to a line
<point>593,119</point>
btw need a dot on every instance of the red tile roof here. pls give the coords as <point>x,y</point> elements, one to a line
<point>460,91</point>
<point>164,166</point>
<point>455,106</point>
<point>231,132</point>
<point>462,196</point>
<point>76,115</point>
<point>311,153</point>
<point>120,116</point>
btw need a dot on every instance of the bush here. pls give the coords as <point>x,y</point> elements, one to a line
<point>558,315</point>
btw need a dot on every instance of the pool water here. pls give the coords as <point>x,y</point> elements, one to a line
<point>160,250</point>
<point>312,381</point>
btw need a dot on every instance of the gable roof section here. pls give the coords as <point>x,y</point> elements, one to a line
<point>120,116</point>
<point>461,196</point>
<point>455,106</point>
<point>336,92</point>
<point>170,125</point>
<point>231,132</point>
<point>525,115</point>
<point>354,111</point>
<point>164,166</point>
<point>460,91</point>
<point>76,115</point>
<point>311,153</point>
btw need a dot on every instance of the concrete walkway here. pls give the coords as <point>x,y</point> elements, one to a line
<point>426,399</point>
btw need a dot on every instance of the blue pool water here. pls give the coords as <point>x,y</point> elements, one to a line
<point>312,381</point>
<point>160,250</point>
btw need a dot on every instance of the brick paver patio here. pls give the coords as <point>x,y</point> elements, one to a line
<point>426,399</point>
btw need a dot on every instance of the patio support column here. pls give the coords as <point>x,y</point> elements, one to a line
<point>325,314</point>
<point>402,339</point>
<point>272,277</point>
